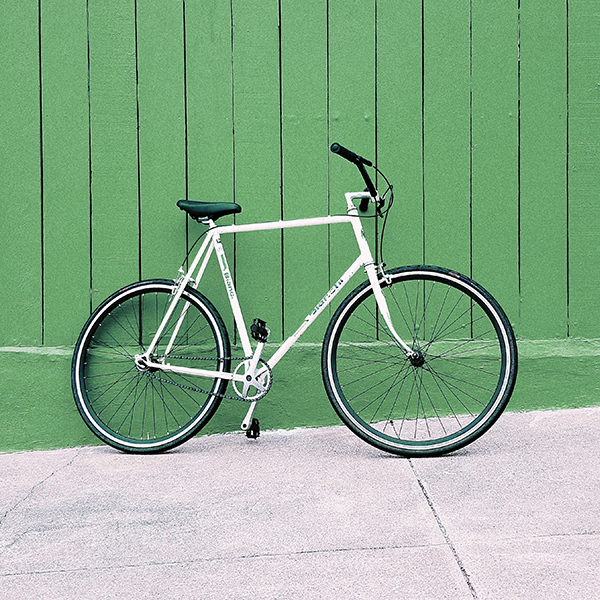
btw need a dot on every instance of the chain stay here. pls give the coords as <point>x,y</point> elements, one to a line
<point>200,390</point>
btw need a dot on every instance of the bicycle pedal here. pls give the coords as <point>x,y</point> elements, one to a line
<point>259,331</point>
<point>254,430</point>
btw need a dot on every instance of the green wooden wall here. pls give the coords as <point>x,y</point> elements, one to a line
<point>483,114</point>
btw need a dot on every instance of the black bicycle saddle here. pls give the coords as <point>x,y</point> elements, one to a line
<point>208,210</point>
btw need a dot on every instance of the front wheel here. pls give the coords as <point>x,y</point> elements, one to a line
<point>449,392</point>
<point>128,404</point>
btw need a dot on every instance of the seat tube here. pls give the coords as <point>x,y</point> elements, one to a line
<point>232,295</point>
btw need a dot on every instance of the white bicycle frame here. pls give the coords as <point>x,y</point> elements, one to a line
<point>253,377</point>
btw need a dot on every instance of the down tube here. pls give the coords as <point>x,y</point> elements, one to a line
<point>326,300</point>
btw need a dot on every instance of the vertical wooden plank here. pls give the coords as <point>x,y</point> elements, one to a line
<point>543,170</point>
<point>305,157</point>
<point>257,158</point>
<point>161,137</point>
<point>209,91</point>
<point>20,188</point>
<point>351,116</point>
<point>495,194</point>
<point>399,127</point>
<point>115,226</point>
<point>447,134</point>
<point>210,177</point>
<point>66,170</point>
<point>584,166</point>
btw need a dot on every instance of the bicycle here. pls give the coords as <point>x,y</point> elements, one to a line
<point>416,360</point>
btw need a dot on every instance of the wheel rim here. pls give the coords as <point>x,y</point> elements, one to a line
<point>136,407</point>
<point>445,395</point>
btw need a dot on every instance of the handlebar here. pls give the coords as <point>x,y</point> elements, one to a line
<point>349,155</point>
<point>360,162</point>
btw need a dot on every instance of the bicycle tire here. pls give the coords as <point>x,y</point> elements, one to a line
<point>146,411</point>
<point>468,370</point>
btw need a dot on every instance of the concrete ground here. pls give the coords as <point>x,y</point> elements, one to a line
<point>310,513</point>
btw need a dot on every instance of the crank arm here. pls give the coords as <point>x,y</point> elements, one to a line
<point>252,382</point>
<point>251,376</point>
<point>248,420</point>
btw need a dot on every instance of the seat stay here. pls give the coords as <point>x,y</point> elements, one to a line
<point>187,304</point>
<point>182,282</point>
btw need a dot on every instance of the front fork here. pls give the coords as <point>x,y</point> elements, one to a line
<point>374,273</point>
<point>382,305</point>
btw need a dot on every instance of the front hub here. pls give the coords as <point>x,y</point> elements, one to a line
<point>416,359</point>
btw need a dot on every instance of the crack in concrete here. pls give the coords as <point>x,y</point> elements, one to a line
<point>444,532</point>
<point>35,487</point>
<point>216,559</point>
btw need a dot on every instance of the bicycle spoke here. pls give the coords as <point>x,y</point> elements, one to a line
<point>436,399</point>
<point>131,405</point>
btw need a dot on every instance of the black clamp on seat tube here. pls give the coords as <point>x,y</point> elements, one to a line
<point>360,162</point>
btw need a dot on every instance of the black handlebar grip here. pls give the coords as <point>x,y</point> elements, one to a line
<point>349,155</point>
<point>344,153</point>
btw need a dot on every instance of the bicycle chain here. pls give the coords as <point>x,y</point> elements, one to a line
<point>200,390</point>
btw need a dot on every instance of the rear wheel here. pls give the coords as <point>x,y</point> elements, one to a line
<point>449,392</point>
<point>139,409</point>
